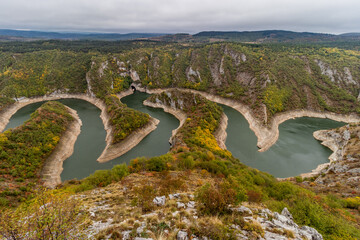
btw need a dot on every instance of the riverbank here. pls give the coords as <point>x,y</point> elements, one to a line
<point>336,143</point>
<point>113,151</point>
<point>53,165</point>
<point>266,135</point>
<point>110,150</point>
<point>180,115</point>
<point>220,133</point>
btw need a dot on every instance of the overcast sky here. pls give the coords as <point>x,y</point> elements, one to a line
<point>171,16</point>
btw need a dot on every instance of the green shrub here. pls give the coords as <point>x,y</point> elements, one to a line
<point>119,171</point>
<point>103,178</point>
<point>187,163</point>
<point>214,200</point>
<point>4,202</point>
<point>145,196</point>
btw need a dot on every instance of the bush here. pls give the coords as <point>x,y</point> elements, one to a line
<point>145,196</point>
<point>187,163</point>
<point>103,178</point>
<point>119,171</point>
<point>254,196</point>
<point>214,200</point>
<point>353,202</point>
<point>49,216</point>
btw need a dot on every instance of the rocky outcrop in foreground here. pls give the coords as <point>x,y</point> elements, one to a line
<point>114,215</point>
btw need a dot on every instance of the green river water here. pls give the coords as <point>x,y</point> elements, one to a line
<point>295,152</point>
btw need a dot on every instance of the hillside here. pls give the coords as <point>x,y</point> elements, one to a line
<point>197,189</point>
<point>218,196</point>
<point>26,149</point>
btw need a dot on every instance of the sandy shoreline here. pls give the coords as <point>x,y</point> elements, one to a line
<point>53,165</point>
<point>113,151</point>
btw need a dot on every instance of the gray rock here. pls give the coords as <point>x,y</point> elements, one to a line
<point>126,235</point>
<point>242,209</point>
<point>159,201</point>
<point>180,205</point>
<point>285,212</point>
<point>350,158</point>
<point>338,168</point>
<point>182,235</point>
<point>191,204</point>
<point>174,196</point>
<point>284,222</point>
<point>354,170</point>
<point>140,229</point>
<point>274,236</point>
<point>241,236</point>
<point>310,233</point>
<point>346,135</point>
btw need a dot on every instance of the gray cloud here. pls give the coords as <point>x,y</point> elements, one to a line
<point>331,16</point>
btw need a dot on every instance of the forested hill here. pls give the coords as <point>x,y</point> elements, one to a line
<point>269,78</point>
<point>266,36</point>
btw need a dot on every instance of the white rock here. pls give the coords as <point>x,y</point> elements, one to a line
<point>175,195</point>
<point>182,235</point>
<point>191,204</point>
<point>310,233</point>
<point>159,201</point>
<point>180,205</point>
<point>274,236</point>
<point>126,235</point>
<point>242,209</point>
<point>285,212</point>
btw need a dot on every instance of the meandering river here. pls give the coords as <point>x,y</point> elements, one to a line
<point>295,152</point>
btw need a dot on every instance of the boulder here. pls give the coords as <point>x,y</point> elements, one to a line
<point>159,201</point>
<point>180,205</point>
<point>285,212</point>
<point>182,235</point>
<point>243,210</point>
<point>310,233</point>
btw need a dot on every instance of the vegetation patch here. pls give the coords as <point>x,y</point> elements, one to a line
<point>23,150</point>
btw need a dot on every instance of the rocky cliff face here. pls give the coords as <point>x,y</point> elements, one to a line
<point>342,174</point>
<point>307,79</point>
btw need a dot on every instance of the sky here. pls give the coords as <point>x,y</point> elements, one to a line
<point>186,16</point>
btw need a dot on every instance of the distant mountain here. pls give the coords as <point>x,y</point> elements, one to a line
<point>355,34</point>
<point>206,36</point>
<point>264,36</point>
<point>75,36</point>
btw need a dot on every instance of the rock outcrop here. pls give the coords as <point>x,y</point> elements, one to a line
<point>342,173</point>
<point>178,215</point>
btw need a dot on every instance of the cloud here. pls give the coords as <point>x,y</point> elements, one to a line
<point>332,16</point>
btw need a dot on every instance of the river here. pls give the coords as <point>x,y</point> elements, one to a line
<point>295,152</point>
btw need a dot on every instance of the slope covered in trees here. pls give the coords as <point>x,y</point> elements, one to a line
<point>23,151</point>
<point>279,76</point>
<point>217,180</point>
